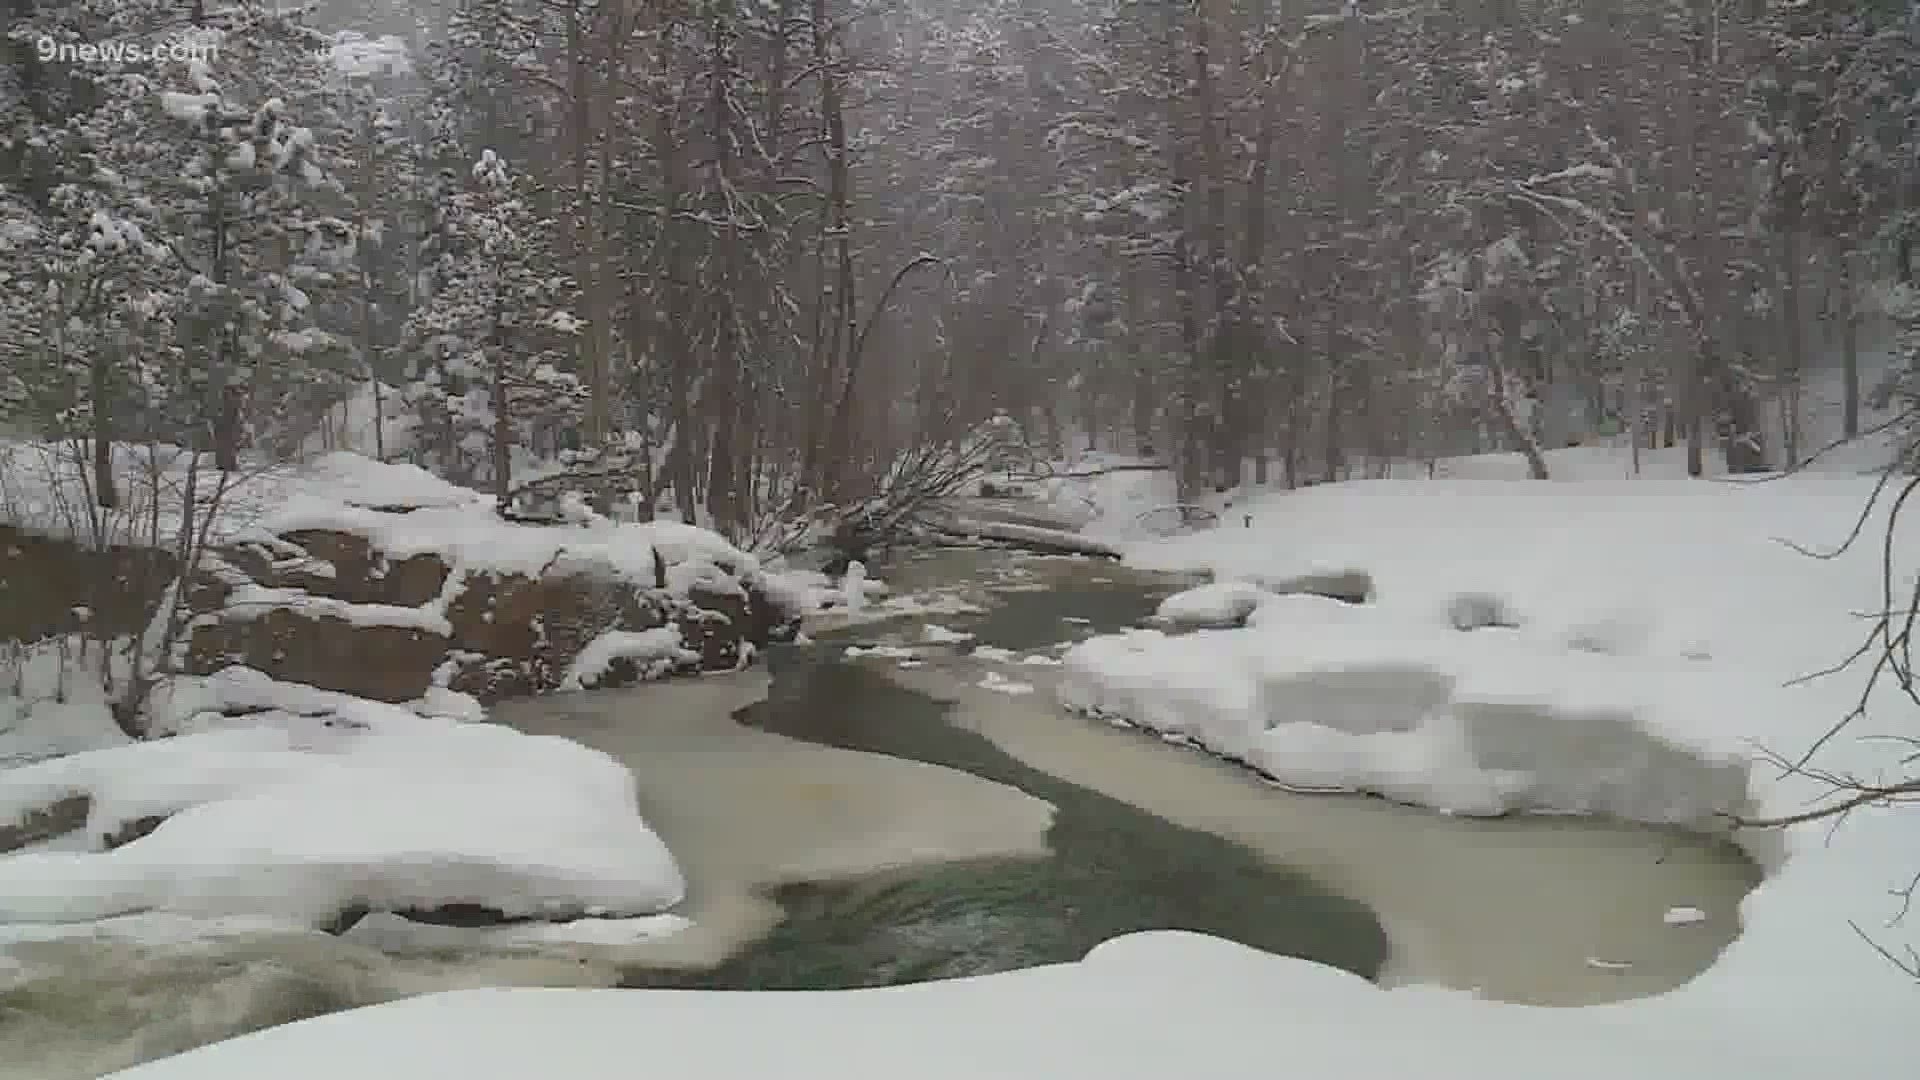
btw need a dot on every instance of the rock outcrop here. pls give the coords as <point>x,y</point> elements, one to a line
<point>382,581</point>
<point>336,610</point>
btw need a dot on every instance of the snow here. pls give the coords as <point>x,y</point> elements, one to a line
<point>52,701</point>
<point>1321,694</point>
<point>323,802</point>
<point>853,590</point>
<point>394,933</point>
<point>1000,684</point>
<point>250,601</point>
<point>449,705</point>
<point>402,510</point>
<point>654,652</point>
<point>1596,643</point>
<point>940,635</point>
<point>1144,1006</point>
<point>993,653</point>
<point>1684,916</point>
<point>936,603</point>
<point>885,652</point>
<point>1222,603</point>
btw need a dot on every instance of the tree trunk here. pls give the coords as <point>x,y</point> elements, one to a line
<point>1499,407</point>
<point>106,492</point>
<point>1248,433</point>
<point>226,428</point>
<point>502,423</point>
<point>833,471</point>
<point>585,243</point>
<point>1849,341</point>
<point>1222,451</point>
<point>1189,455</point>
<point>226,403</point>
<point>1793,355</point>
<point>369,275</point>
<point>722,396</point>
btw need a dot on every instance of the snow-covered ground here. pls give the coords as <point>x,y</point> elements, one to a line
<point>1146,1006</point>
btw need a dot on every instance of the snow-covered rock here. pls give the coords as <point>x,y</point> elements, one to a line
<point>384,581</point>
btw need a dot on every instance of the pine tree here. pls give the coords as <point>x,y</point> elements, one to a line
<point>496,331</point>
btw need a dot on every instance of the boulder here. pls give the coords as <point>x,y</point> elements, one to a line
<point>332,608</point>
<point>369,660</point>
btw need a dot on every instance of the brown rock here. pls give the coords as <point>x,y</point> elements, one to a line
<point>574,610</point>
<point>42,581</point>
<point>352,558</point>
<point>710,634</point>
<point>384,663</point>
<point>496,679</point>
<point>413,581</point>
<point>494,613</point>
<point>361,573</point>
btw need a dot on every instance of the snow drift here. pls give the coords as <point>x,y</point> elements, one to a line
<point>312,804</point>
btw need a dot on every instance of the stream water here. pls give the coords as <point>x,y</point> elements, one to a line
<point>851,822</point>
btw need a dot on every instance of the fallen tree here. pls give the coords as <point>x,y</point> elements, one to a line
<point>1028,537</point>
<point>915,503</point>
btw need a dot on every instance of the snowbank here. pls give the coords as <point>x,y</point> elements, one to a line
<point>1626,626</point>
<point>1321,694</point>
<point>1144,1006</point>
<point>317,803</point>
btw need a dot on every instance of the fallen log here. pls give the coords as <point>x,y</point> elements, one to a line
<point>1029,537</point>
<point>1105,470</point>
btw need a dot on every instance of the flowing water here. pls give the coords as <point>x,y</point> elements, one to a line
<point>850,822</point>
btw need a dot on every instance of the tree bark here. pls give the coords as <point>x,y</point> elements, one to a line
<point>106,493</point>
<point>832,472</point>
<point>501,402</point>
<point>1849,340</point>
<point>722,396</point>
